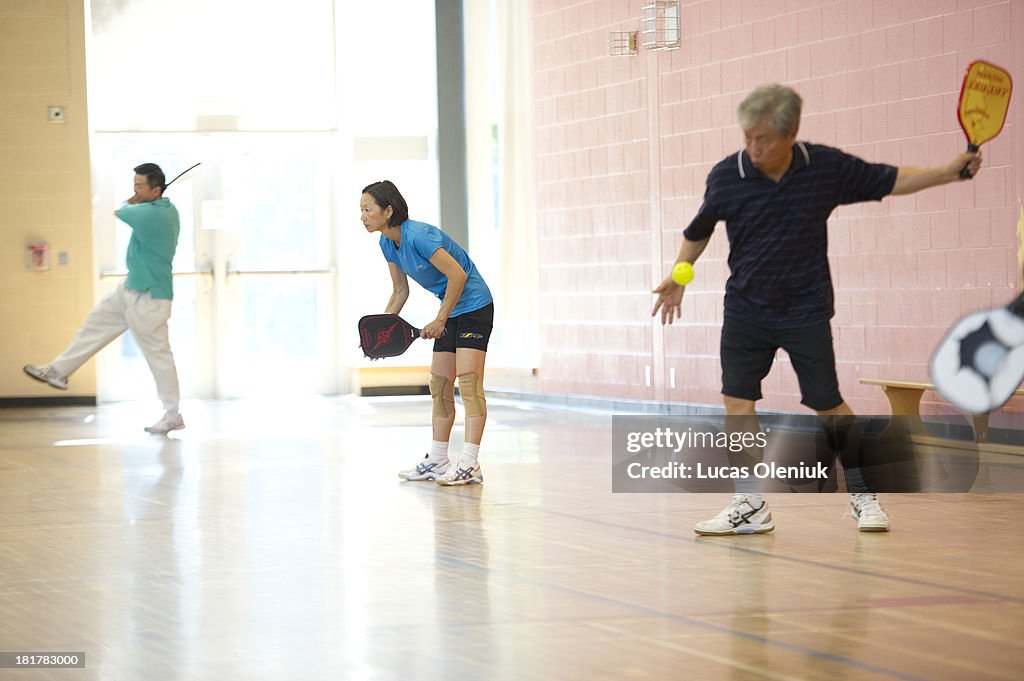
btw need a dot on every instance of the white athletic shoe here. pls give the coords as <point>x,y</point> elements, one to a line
<point>47,374</point>
<point>739,517</point>
<point>166,424</point>
<point>425,469</point>
<point>868,512</point>
<point>462,474</point>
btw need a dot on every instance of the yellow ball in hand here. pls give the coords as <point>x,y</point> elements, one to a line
<point>682,273</point>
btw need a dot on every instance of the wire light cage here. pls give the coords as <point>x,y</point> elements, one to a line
<point>659,24</point>
<point>622,43</point>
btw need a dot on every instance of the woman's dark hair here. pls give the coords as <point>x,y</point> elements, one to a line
<point>153,174</point>
<point>385,194</point>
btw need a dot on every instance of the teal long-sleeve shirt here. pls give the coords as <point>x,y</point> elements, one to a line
<point>155,228</point>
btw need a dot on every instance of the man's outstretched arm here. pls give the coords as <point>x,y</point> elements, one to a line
<point>910,180</point>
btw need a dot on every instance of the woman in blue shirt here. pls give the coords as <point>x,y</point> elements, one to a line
<point>460,331</point>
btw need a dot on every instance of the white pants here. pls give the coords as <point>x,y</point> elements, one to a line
<point>116,313</point>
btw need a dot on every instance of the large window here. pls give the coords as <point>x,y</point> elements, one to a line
<point>163,65</point>
<point>291,108</point>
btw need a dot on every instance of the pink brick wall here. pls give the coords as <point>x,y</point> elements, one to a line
<point>624,145</point>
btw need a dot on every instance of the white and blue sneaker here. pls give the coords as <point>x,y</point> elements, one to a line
<point>744,515</point>
<point>425,469</point>
<point>868,513</point>
<point>462,474</point>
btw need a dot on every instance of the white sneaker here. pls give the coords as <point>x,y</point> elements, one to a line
<point>739,517</point>
<point>426,469</point>
<point>47,374</point>
<point>868,512</point>
<point>166,424</point>
<point>462,474</point>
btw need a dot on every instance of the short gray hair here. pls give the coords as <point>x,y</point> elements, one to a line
<point>776,103</point>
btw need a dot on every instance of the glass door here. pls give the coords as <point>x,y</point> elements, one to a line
<point>254,304</point>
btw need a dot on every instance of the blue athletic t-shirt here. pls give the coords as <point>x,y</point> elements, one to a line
<point>419,242</point>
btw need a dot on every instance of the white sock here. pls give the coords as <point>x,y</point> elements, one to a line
<point>470,452</point>
<point>438,450</point>
<point>748,486</point>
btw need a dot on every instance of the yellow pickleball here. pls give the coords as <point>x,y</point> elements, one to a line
<point>682,273</point>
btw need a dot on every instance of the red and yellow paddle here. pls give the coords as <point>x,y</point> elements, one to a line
<point>984,99</point>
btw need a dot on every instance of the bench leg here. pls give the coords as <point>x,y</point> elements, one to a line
<point>906,411</point>
<point>980,423</point>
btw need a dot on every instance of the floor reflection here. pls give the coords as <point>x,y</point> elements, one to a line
<point>273,540</point>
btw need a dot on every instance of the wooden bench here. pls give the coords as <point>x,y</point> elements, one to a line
<point>905,400</point>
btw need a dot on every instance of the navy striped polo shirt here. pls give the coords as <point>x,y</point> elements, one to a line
<point>778,237</point>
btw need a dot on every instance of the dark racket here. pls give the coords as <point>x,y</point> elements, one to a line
<point>385,335</point>
<point>184,175</point>
<point>980,362</point>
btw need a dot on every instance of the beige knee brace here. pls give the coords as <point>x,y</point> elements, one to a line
<point>472,390</point>
<point>443,397</point>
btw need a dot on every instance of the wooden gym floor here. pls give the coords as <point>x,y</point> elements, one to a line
<point>273,540</point>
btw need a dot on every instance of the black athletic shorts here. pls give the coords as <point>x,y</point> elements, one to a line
<point>748,351</point>
<point>469,330</point>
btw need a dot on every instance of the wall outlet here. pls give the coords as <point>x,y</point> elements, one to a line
<point>55,114</point>
<point>62,258</point>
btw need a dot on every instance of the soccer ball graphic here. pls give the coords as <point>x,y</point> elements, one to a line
<point>981,360</point>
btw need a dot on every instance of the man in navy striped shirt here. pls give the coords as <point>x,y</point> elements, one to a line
<point>775,197</point>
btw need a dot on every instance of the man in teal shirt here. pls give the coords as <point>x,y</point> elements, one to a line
<point>142,302</point>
